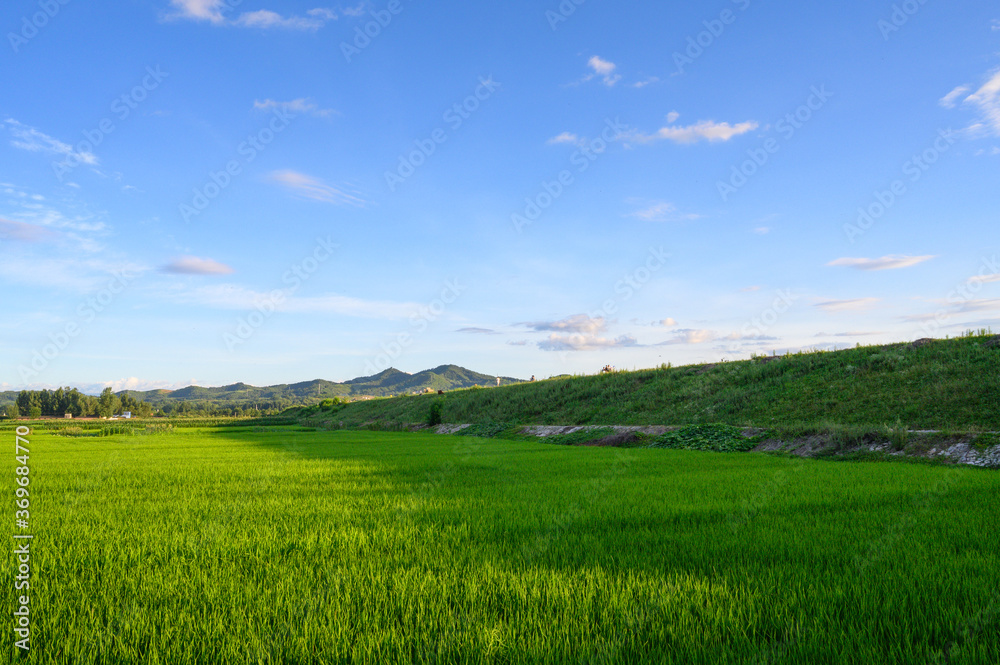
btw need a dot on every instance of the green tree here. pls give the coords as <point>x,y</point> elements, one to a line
<point>108,403</point>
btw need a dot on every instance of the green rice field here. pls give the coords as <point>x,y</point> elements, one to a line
<point>284,545</point>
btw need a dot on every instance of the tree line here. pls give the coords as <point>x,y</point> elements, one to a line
<point>59,402</point>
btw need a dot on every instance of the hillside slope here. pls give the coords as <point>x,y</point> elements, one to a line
<point>935,384</point>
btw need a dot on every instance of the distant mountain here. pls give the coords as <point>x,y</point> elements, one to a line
<point>389,382</point>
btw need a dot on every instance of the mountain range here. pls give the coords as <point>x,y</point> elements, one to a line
<point>389,382</point>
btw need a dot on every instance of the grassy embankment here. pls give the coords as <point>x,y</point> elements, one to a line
<point>946,384</point>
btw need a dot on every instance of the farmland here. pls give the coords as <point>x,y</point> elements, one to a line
<point>278,544</point>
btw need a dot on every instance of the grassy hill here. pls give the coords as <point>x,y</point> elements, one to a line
<point>932,384</point>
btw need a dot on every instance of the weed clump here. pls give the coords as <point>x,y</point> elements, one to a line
<point>435,415</point>
<point>719,438</point>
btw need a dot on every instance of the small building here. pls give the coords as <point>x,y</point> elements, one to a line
<point>68,416</point>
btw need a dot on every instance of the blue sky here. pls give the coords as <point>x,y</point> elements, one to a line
<point>211,191</point>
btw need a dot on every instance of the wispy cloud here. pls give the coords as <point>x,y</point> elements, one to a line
<point>949,101</point>
<point>690,336</point>
<point>301,105</point>
<point>313,188</point>
<point>644,83</point>
<point>236,297</point>
<point>69,274</point>
<point>984,279</point>
<point>33,140</point>
<point>34,209</point>
<point>214,12</point>
<point>703,130</point>
<point>978,305</point>
<point>668,322</point>
<point>478,331</point>
<point>762,230</point>
<point>192,265</point>
<point>985,100</point>
<point>891,262</point>
<point>263,18</point>
<point>847,305</point>
<point>848,334</point>
<point>662,211</point>
<point>585,342</point>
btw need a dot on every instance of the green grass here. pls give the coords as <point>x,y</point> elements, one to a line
<point>270,545</point>
<point>947,384</point>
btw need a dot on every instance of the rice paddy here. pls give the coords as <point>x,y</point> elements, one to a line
<point>283,545</point>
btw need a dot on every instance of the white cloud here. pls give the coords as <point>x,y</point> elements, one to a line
<point>313,188</point>
<point>703,130</point>
<point>583,334</point>
<point>948,101</point>
<point>192,265</point>
<point>579,323</point>
<point>604,69</point>
<point>478,331</point>
<point>213,11</point>
<point>984,279</point>
<point>201,10</point>
<point>762,230</point>
<point>892,262</point>
<point>301,105</point>
<point>750,289</point>
<point>847,305</point>
<point>643,84</point>
<point>32,140</point>
<point>668,322</point>
<point>690,336</point>
<point>584,343</point>
<point>565,137</point>
<point>672,117</point>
